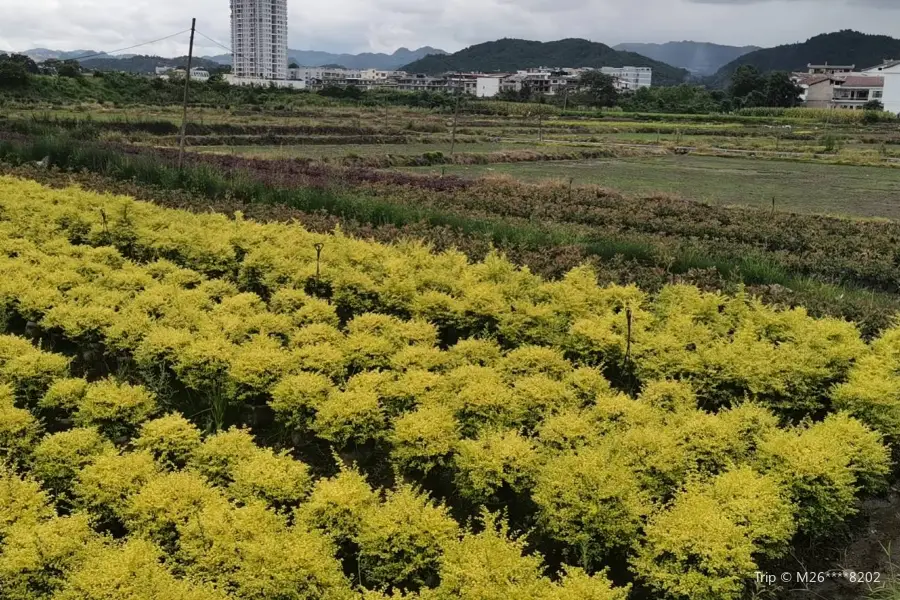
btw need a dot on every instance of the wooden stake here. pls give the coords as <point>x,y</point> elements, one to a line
<point>187,83</point>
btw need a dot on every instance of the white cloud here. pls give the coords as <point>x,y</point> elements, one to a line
<point>384,25</point>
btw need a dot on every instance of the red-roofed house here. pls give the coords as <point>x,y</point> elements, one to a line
<point>855,90</point>
<point>843,91</point>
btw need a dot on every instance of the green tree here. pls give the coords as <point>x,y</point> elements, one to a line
<point>781,90</point>
<point>14,71</point>
<point>745,80</point>
<point>598,89</point>
<point>69,68</point>
<point>875,105</point>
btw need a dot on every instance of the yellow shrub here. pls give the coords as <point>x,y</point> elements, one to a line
<point>401,541</point>
<point>578,585</point>
<point>171,440</point>
<point>60,456</point>
<point>424,439</point>
<point>538,396</point>
<point>276,479</point>
<point>132,571</point>
<point>21,501</point>
<point>491,566</point>
<point>169,501</point>
<point>475,352</point>
<point>19,430</point>
<point>872,391</point>
<point>817,473</point>
<point>104,487</point>
<point>587,384</point>
<point>257,365</point>
<point>758,504</point>
<point>28,370</point>
<point>296,398</point>
<point>337,505</point>
<point>589,500</point>
<point>694,551</point>
<point>37,557</point>
<point>868,457</point>
<point>347,416</point>
<point>496,459</point>
<point>567,430</point>
<point>219,454</point>
<point>116,409</point>
<point>64,394</point>
<point>534,360</point>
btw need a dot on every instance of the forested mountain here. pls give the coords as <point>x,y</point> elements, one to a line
<point>512,54</point>
<point>144,64</point>
<point>845,47</point>
<point>366,60</point>
<point>700,58</point>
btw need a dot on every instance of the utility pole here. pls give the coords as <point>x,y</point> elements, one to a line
<point>565,99</point>
<point>187,83</point>
<point>455,120</point>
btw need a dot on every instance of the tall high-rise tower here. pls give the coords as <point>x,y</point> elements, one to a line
<point>259,38</point>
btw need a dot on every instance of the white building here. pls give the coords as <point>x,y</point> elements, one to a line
<point>891,93</point>
<point>258,81</point>
<point>630,78</point>
<point>259,38</point>
<point>487,86</point>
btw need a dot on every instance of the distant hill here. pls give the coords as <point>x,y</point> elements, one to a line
<point>367,60</point>
<point>845,47</point>
<point>511,55</point>
<point>42,54</point>
<point>144,64</point>
<point>700,58</point>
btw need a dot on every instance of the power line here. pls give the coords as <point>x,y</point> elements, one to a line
<point>229,50</point>
<point>130,47</point>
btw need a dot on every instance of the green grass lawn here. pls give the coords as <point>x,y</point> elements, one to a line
<point>796,186</point>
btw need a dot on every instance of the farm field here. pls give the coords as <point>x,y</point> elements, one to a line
<point>796,186</point>
<point>319,357</point>
<point>350,150</point>
<point>230,410</point>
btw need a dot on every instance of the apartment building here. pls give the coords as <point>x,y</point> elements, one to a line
<point>259,32</point>
<point>630,78</point>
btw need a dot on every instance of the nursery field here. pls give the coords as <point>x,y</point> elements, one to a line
<point>795,186</point>
<point>205,406</point>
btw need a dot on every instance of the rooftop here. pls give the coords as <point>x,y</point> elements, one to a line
<point>862,81</point>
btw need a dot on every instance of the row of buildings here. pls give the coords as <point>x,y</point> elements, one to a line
<point>259,40</point>
<point>547,81</point>
<point>845,87</point>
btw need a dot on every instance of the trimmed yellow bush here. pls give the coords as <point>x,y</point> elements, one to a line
<point>115,408</point>
<point>37,557</point>
<point>424,439</point>
<point>401,540</point>
<point>276,479</point>
<point>60,456</point>
<point>494,460</point>
<point>19,430</point>
<point>132,571</point>
<point>171,440</point>
<point>590,500</point>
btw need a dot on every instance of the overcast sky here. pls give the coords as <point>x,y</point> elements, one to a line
<point>384,25</point>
